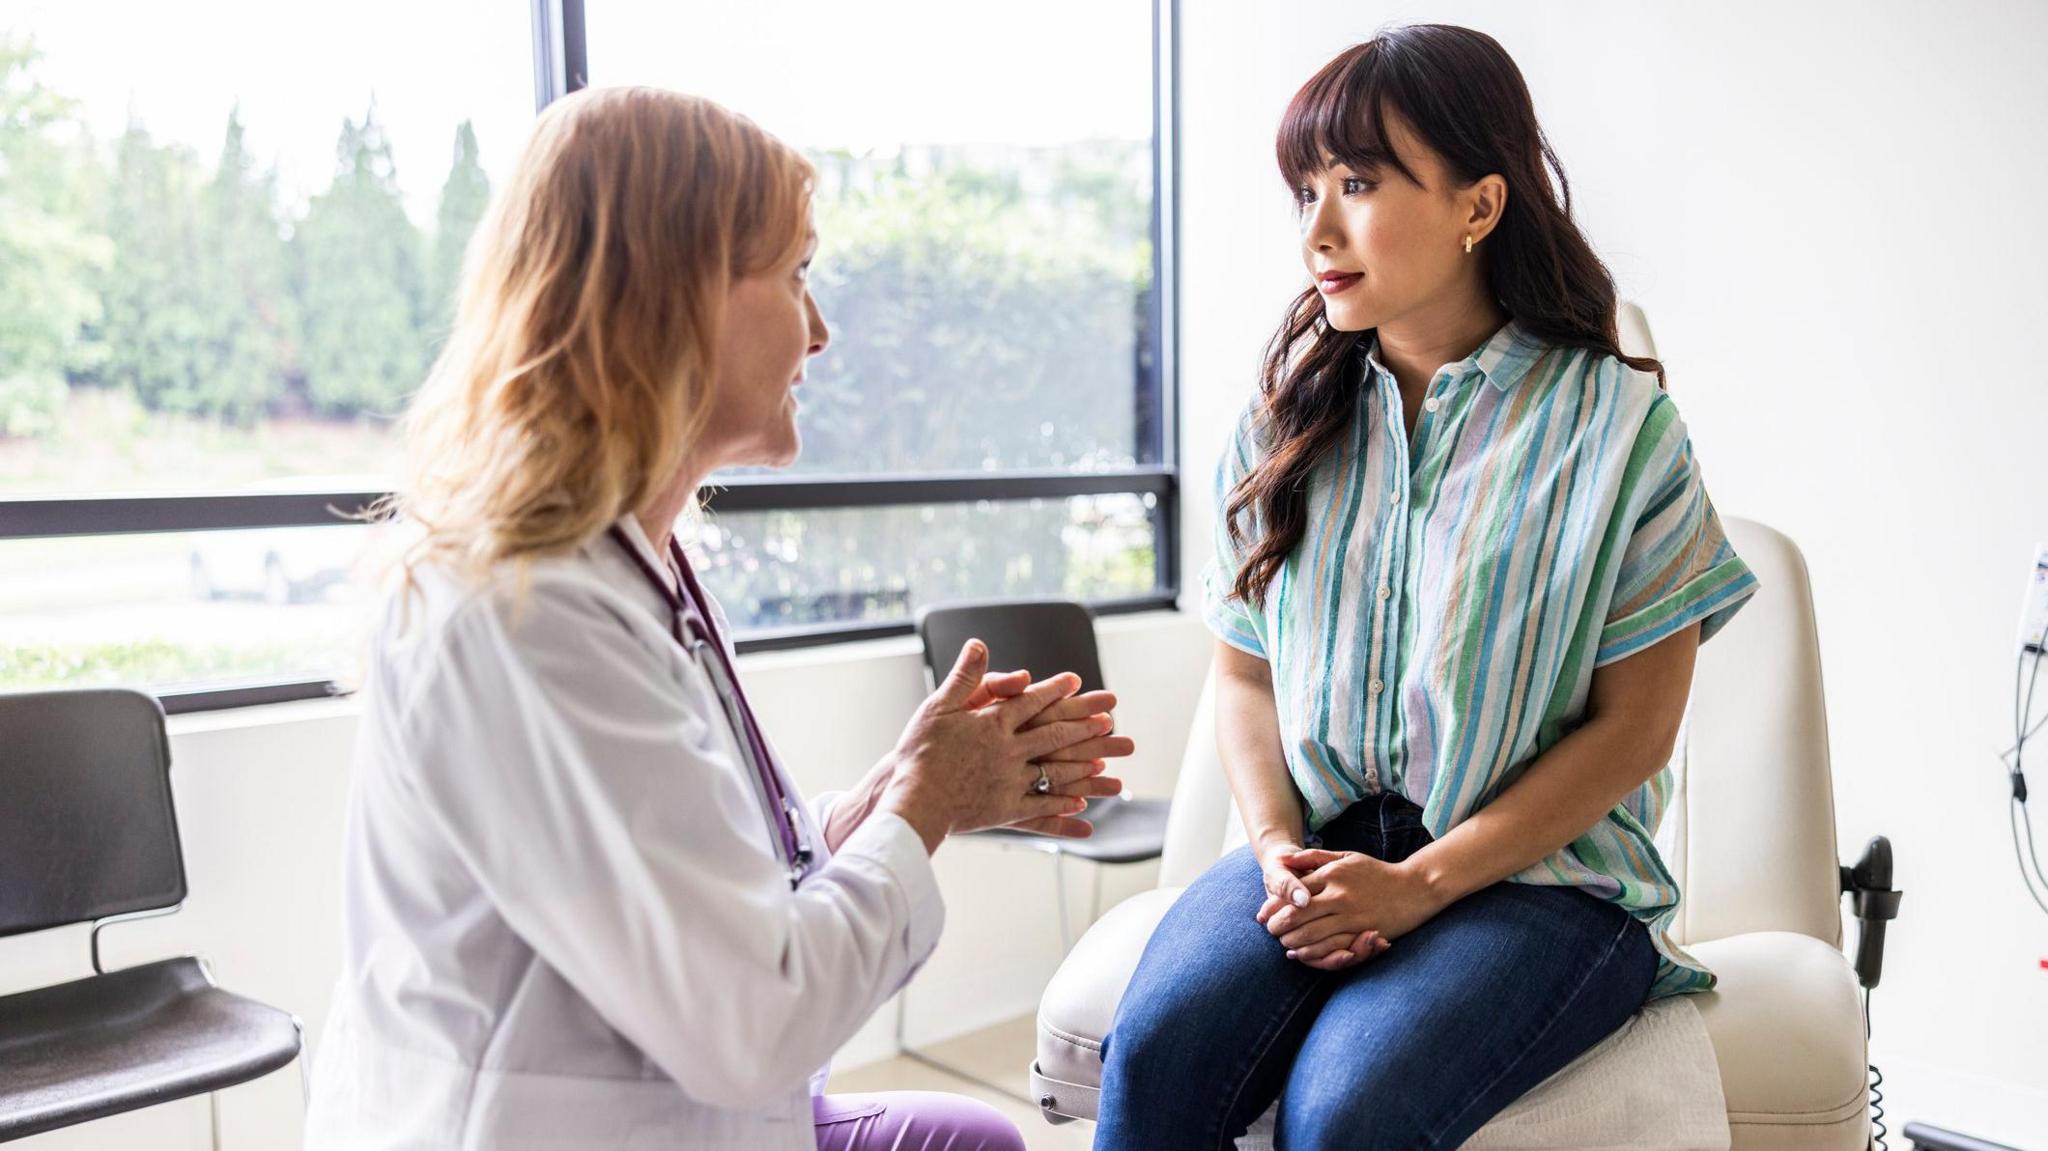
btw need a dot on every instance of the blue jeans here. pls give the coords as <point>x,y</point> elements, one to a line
<point>1417,1048</point>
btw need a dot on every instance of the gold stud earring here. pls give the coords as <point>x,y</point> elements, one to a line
<point>1468,245</point>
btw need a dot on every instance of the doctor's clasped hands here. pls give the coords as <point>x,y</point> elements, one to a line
<point>993,750</point>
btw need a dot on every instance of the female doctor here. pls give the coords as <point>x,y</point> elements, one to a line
<point>585,907</point>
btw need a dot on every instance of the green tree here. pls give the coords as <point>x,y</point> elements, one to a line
<point>247,316</point>
<point>51,248</point>
<point>464,196</point>
<point>153,322</point>
<point>974,329</point>
<point>358,273</point>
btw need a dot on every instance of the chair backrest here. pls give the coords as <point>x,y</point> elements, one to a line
<point>86,825</point>
<point>1042,636</point>
<point>1750,835</point>
<point>1202,821</point>
<point>1632,329</point>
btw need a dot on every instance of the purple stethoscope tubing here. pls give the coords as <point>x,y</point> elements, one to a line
<point>690,624</point>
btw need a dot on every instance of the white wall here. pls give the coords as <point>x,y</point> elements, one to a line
<point>1830,213</point>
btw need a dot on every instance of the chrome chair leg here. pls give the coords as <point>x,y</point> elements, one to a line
<point>1059,882</point>
<point>305,1065</point>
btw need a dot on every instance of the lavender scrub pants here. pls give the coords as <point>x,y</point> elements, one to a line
<point>911,1121</point>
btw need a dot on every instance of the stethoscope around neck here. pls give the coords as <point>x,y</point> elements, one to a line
<point>690,624</point>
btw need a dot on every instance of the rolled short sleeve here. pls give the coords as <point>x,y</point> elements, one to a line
<point>1234,621</point>
<point>1676,567</point>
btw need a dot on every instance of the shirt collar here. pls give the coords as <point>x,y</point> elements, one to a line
<point>1503,359</point>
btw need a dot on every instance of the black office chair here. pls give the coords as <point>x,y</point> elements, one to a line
<point>1045,637</point>
<point>88,835</point>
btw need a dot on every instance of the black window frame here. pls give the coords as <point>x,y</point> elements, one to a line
<point>561,66</point>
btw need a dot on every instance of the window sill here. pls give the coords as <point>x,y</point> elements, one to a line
<point>794,659</point>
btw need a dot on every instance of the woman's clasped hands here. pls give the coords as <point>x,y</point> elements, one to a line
<point>1337,909</point>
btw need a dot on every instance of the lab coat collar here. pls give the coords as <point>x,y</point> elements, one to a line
<point>636,535</point>
<point>603,551</point>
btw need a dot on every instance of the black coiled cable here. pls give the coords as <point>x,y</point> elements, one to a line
<point>1877,1128</point>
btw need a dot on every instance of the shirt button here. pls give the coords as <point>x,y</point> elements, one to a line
<point>1377,687</point>
<point>1431,404</point>
<point>1385,591</point>
<point>1394,497</point>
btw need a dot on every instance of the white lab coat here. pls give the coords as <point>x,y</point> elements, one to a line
<point>566,925</point>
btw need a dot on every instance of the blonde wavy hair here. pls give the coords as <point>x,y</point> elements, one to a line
<point>580,367</point>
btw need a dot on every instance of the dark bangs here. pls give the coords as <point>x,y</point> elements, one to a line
<point>1340,112</point>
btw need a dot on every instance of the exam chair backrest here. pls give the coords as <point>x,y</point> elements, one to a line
<point>86,826</point>
<point>1754,831</point>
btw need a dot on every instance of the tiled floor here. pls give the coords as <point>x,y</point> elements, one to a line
<point>1000,1055</point>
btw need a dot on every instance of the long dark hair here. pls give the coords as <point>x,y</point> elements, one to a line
<point>1462,94</point>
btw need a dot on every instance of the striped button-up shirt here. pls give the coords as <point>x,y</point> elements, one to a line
<point>1437,627</point>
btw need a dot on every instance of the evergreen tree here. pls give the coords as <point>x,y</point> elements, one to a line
<point>51,248</point>
<point>463,197</point>
<point>153,323</point>
<point>243,289</point>
<point>358,273</point>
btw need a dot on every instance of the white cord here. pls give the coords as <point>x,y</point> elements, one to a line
<point>2029,875</point>
<point>2029,860</point>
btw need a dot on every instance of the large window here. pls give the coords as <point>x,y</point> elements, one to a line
<point>218,286</point>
